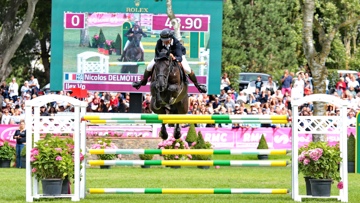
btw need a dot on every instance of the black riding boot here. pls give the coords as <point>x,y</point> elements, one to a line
<point>201,88</point>
<point>142,56</point>
<point>122,56</point>
<point>142,82</point>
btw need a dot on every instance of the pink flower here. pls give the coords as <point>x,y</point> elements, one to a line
<point>119,156</point>
<point>58,158</point>
<point>34,152</point>
<point>193,144</point>
<point>340,185</point>
<point>301,158</point>
<point>33,170</point>
<point>32,158</point>
<point>217,167</point>
<point>315,154</point>
<point>306,161</point>
<point>177,145</point>
<point>176,157</point>
<point>189,156</point>
<point>58,149</point>
<point>82,157</point>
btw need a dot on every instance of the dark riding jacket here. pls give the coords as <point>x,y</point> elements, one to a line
<point>133,31</point>
<point>175,48</point>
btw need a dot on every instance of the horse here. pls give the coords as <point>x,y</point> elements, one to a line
<point>133,54</point>
<point>169,91</point>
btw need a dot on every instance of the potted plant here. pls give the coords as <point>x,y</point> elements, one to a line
<point>351,153</point>
<point>201,144</point>
<point>52,161</point>
<point>146,157</point>
<point>191,136</point>
<point>95,41</point>
<point>173,143</point>
<point>23,157</point>
<point>7,154</point>
<point>104,143</point>
<point>109,44</point>
<point>262,145</point>
<point>320,161</point>
<point>117,44</point>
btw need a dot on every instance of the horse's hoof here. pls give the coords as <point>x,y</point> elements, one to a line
<point>177,134</point>
<point>163,136</point>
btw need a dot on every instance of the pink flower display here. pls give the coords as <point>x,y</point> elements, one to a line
<point>306,161</point>
<point>340,185</point>
<point>58,149</point>
<point>33,170</point>
<point>58,158</point>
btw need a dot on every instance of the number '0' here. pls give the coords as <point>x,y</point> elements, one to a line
<point>75,20</point>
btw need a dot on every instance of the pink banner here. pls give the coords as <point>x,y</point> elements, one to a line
<point>221,138</point>
<point>108,19</point>
<point>7,133</point>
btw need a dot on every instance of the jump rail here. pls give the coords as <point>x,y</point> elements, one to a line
<point>185,191</point>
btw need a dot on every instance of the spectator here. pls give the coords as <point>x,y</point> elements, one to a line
<point>242,98</point>
<point>225,82</point>
<point>43,111</point>
<point>5,119</point>
<point>263,97</point>
<point>258,83</point>
<point>229,93</point>
<point>4,90</point>
<point>270,85</point>
<point>298,88</point>
<point>286,81</point>
<point>34,85</point>
<point>340,86</point>
<point>102,107</point>
<point>13,90</point>
<point>351,119</point>
<point>222,96</point>
<point>20,137</point>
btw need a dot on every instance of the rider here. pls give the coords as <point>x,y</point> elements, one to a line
<point>130,33</point>
<point>169,42</point>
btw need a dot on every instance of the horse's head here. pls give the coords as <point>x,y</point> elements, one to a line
<point>136,39</point>
<point>161,71</point>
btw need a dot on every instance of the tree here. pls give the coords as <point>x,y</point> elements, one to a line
<point>14,27</point>
<point>323,20</point>
<point>262,35</point>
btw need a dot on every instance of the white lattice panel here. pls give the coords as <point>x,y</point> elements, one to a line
<point>55,124</point>
<point>93,67</point>
<point>318,124</point>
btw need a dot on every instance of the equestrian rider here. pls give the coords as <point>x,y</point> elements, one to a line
<point>130,35</point>
<point>169,42</point>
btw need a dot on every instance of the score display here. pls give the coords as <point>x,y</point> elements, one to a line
<point>74,20</point>
<point>190,23</point>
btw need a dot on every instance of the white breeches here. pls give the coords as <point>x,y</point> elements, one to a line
<point>128,42</point>
<point>184,63</point>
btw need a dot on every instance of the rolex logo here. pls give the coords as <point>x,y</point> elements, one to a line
<point>137,3</point>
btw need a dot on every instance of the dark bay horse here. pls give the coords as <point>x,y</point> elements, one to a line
<point>133,54</point>
<point>169,91</point>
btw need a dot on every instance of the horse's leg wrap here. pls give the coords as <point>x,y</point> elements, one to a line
<point>201,88</point>
<point>142,82</point>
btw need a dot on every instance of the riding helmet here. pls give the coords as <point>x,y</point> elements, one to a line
<point>165,34</point>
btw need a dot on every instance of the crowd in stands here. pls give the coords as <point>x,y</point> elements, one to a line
<point>266,99</point>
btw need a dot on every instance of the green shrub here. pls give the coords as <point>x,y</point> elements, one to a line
<point>7,152</point>
<point>201,144</point>
<point>117,44</point>
<point>102,38</point>
<point>351,148</point>
<point>262,143</point>
<point>146,156</point>
<point>191,135</point>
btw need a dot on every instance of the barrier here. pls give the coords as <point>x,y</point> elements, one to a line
<point>185,191</point>
<point>191,151</point>
<point>314,125</point>
<point>172,119</point>
<point>185,163</point>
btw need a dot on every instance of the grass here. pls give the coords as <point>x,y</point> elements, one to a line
<point>71,49</point>
<point>13,187</point>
